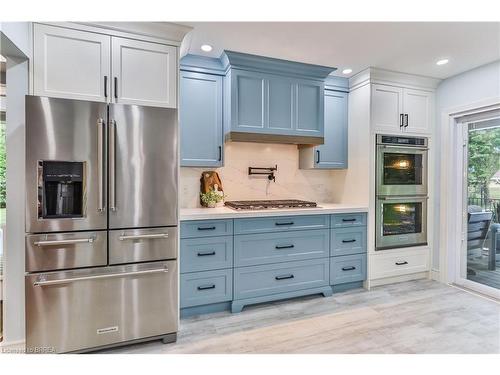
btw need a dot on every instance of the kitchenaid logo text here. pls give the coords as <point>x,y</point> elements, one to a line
<point>101,331</point>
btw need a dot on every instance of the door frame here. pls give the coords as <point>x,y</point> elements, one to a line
<point>452,189</point>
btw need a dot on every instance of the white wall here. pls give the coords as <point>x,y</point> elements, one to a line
<point>473,86</point>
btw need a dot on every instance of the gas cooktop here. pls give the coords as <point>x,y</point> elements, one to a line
<point>270,204</point>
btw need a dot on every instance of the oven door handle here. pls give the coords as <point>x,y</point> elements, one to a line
<point>405,198</point>
<point>104,276</point>
<point>406,148</point>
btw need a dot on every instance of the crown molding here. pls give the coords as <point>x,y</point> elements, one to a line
<point>202,64</point>
<point>336,83</point>
<point>245,61</point>
<point>388,77</point>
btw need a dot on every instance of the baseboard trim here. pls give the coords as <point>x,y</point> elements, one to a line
<point>399,279</point>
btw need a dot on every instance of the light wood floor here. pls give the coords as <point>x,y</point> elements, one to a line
<point>412,317</point>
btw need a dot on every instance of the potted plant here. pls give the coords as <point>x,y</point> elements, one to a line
<point>211,198</point>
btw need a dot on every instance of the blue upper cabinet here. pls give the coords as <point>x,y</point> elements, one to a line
<point>333,153</point>
<point>200,118</point>
<point>271,100</point>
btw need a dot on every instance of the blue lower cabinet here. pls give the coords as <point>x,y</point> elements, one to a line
<point>207,287</point>
<point>347,241</point>
<point>347,269</point>
<point>206,228</point>
<point>280,224</point>
<point>207,253</point>
<point>270,282</point>
<point>264,248</point>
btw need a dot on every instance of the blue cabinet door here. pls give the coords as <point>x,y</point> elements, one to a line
<point>280,100</point>
<point>333,153</point>
<point>248,99</point>
<point>200,113</point>
<point>310,107</point>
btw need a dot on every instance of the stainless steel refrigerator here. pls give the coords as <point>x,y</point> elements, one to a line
<point>101,224</point>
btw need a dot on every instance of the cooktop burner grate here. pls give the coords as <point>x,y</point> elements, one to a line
<point>269,204</point>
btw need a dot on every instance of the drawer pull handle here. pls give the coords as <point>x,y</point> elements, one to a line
<point>348,268</point>
<point>401,263</point>
<point>206,254</point>
<point>64,242</point>
<point>287,223</point>
<point>206,287</point>
<point>206,228</point>
<point>348,220</point>
<point>348,241</point>
<point>284,277</point>
<point>278,247</point>
<point>143,236</point>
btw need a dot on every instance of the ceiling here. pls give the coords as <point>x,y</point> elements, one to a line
<point>408,47</point>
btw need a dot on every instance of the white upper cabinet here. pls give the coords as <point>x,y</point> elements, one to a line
<point>387,104</point>
<point>83,65</point>
<point>401,110</point>
<point>418,107</point>
<point>70,63</point>
<point>144,73</point>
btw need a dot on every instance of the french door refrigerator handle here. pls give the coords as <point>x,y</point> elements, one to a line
<point>100,165</point>
<point>112,165</point>
<point>94,277</point>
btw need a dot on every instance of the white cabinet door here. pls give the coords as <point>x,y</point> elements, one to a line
<point>71,64</point>
<point>387,107</point>
<point>144,73</point>
<point>418,107</point>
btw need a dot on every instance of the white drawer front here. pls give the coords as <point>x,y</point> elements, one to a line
<point>400,263</point>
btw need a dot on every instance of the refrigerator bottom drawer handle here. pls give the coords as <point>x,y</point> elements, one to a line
<point>144,236</point>
<point>42,282</point>
<point>64,242</point>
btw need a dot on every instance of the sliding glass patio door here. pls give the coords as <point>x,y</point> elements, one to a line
<point>479,259</point>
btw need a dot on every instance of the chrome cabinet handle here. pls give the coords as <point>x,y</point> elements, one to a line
<point>64,242</point>
<point>112,165</point>
<point>143,236</point>
<point>100,164</point>
<point>96,277</point>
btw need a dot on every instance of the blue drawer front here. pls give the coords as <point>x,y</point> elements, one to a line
<point>270,279</point>
<point>347,269</point>
<point>206,228</point>
<point>264,248</point>
<point>209,253</point>
<point>348,220</point>
<point>202,288</point>
<point>346,241</point>
<point>280,223</point>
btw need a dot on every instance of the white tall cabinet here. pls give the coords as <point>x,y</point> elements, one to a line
<point>89,65</point>
<point>383,102</point>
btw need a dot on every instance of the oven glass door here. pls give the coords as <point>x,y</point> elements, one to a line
<point>401,222</point>
<point>401,171</point>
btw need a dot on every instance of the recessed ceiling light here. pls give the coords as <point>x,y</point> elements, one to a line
<point>347,71</point>
<point>206,47</point>
<point>442,62</point>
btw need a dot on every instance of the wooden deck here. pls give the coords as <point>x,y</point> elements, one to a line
<point>483,276</point>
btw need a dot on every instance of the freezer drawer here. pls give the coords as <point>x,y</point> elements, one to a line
<point>142,245</point>
<point>77,310</point>
<point>48,252</point>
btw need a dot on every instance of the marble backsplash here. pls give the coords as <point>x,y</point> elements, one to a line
<point>291,182</point>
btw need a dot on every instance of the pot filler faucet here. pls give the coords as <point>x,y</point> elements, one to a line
<point>264,171</point>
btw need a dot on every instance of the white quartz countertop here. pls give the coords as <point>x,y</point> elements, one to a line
<point>229,213</point>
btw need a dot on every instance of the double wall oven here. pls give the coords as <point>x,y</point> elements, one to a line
<point>402,192</point>
<point>101,224</point>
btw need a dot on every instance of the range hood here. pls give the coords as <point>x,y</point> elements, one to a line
<point>237,136</point>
